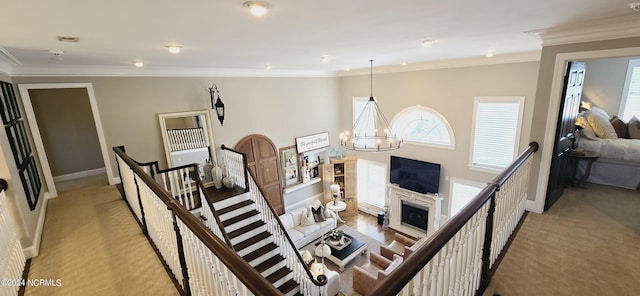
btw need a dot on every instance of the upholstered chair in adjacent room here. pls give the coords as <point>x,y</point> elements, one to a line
<point>401,245</point>
<point>365,277</point>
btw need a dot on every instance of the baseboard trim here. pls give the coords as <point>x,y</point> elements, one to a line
<point>33,250</point>
<point>79,175</point>
<point>531,206</point>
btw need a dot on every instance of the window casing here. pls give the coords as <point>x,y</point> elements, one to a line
<point>497,122</point>
<point>630,103</point>
<point>424,126</point>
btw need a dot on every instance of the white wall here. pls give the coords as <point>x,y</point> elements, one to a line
<point>604,82</point>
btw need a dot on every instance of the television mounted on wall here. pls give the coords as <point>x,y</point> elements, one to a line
<point>415,175</point>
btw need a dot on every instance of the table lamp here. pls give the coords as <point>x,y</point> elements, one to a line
<point>335,191</point>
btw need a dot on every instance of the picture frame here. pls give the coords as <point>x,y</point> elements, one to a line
<point>19,142</point>
<point>9,109</point>
<point>290,165</point>
<point>312,142</point>
<point>31,182</point>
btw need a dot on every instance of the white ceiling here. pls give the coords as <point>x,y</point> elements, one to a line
<point>219,36</point>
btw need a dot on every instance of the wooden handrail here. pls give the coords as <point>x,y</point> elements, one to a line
<point>3,185</point>
<point>399,278</point>
<point>244,162</point>
<point>322,279</point>
<point>253,280</point>
<point>214,212</point>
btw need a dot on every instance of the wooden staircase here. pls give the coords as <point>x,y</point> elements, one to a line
<point>251,240</point>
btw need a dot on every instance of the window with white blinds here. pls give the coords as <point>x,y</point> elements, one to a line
<point>497,123</point>
<point>630,104</point>
<point>372,180</point>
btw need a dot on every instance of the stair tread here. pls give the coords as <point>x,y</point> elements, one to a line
<point>278,274</point>
<point>246,243</point>
<point>239,218</point>
<point>245,229</point>
<point>268,263</point>
<point>288,286</point>
<point>230,208</point>
<point>259,252</point>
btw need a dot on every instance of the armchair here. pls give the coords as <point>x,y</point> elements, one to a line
<point>402,246</point>
<point>378,268</point>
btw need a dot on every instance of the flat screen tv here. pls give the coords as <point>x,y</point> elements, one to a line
<point>415,175</point>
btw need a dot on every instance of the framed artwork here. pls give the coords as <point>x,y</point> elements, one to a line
<point>312,142</point>
<point>8,103</point>
<point>19,142</point>
<point>290,166</point>
<point>31,182</point>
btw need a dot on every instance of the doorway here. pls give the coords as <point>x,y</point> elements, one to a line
<point>557,84</point>
<point>48,92</point>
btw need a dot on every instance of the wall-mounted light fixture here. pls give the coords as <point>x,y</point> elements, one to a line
<point>218,105</point>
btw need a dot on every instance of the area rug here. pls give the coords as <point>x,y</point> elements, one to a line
<point>346,277</point>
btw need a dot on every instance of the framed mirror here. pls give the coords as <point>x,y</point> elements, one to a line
<point>187,138</point>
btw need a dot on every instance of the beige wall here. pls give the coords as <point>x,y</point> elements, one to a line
<point>279,108</point>
<point>604,82</point>
<point>67,129</point>
<point>544,95</point>
<point>450,92</point>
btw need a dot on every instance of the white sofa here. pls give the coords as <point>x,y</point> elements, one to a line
<point>303,235</point>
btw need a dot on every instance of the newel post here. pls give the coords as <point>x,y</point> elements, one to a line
<point>183,260</point>
<point>485,276</point>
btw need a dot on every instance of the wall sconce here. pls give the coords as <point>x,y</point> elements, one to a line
<point>218,105</point>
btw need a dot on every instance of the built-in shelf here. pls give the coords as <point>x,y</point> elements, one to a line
<point>302,185</point>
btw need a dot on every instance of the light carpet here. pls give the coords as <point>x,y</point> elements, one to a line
<point>346,277</point>
<point>588,243</point>
<point>93,246</point>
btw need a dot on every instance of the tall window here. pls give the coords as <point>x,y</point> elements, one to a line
<point>372,180</point>
<point>422,125</point>
<point>630,104</point>
<point>497,123</point>
<point>462,192</point>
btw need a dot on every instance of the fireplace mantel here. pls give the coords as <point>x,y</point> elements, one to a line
<point>430,201</point>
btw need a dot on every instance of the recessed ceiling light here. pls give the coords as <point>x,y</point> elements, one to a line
<point>174,49</point>
<point>138,64</point>
<point>347,69</point>
<point>325,58</point>
<point>427,42</point>
<point>268,67</point>
<point>490,53</point>
<point>403,63</point>
<point>258,8</point>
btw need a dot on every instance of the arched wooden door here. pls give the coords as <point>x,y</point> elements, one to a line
<point>263,162</point>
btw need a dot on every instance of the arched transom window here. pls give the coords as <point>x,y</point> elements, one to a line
<point>422,125</point>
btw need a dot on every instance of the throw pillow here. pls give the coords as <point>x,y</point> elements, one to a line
<point>601,126</point>
<point>621,128</point>
<point>600,111</point>
<point>318,214</point>
<point>308,219</point>
<point>634,128</point>
<point>589,134</point>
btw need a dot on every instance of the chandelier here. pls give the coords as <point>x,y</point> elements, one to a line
<point>371,132</point>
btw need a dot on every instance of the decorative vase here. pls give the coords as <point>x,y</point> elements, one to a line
<point>225,171</point>
<point>229,181</point>
<point>216,175</point>
<point>207,171</point>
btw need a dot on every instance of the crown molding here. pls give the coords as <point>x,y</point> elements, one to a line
<point>533,56</point>
<point>128,71</point>
<point>7,61</point>
<point>604,29</point>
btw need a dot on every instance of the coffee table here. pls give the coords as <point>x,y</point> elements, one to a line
<point>348,253</point>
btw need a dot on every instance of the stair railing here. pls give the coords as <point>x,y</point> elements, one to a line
<point>459,258</point>
<point>12,260</point>
<point>200,262</point>
<point>293,260</point>
<point>181,183</point>
<point>211,218</point>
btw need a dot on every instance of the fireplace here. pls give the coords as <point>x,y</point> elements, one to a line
<point>414,216</point>
<point>413,213</point>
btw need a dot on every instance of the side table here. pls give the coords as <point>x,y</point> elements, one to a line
<point>336,207</point>
<point>590,157</point>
